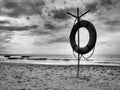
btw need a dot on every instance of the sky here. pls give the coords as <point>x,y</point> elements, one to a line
<point>43,26</point>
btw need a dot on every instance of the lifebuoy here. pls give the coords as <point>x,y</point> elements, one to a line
<point>92,37</point>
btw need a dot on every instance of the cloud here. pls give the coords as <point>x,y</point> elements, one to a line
<point>109,43</point>
<point>5,37</point>
<point>112,22</point>
<point>4,22</point>
<point>61,14</point>
<point>17,28</point>
<point>106,3</point>
<point>39,32</point>
<point>106,14</point>
<point>93,7</point>
<point>15,8</point>
<point>58,39</point>
<point>50,25</point>
<point>54,23</point>
<point>10,4</point>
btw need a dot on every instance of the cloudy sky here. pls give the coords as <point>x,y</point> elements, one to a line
<point>43,27</point>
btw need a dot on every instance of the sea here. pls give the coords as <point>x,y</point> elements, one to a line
<point>64,59</point>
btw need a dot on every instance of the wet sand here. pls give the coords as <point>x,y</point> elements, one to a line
<point>15,76</point>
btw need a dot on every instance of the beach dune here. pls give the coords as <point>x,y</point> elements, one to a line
<point>15,76</point>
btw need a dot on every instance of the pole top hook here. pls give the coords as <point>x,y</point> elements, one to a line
<point>78,16</point>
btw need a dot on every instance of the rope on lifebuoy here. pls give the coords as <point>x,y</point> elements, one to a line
<point>92,34</point>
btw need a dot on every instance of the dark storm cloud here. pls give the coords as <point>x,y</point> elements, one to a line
<point>50,25</point>
<point>106,14</point>
<point>92,7</point>
<point>106,2</point>
<point>54,26</point>
<point>10,5</point>
<point>102,4</point>
<point>4,22</point>
<point>109,4</point>
<point>60,14</point>
<point>26,7</point>
<point>17,28</point>
<point>38,2</point>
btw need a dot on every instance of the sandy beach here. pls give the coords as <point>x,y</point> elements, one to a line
<point>53,77</point>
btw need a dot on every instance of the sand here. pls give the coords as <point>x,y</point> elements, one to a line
<point>50,77</point>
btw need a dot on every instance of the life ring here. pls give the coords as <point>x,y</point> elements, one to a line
<point>92,37</point>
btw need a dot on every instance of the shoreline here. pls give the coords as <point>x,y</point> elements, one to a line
<point>38,63</point>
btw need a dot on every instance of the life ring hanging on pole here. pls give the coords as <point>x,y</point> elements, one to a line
<point>92,37</point>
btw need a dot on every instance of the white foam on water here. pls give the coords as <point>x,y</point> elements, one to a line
<point>59,62</point>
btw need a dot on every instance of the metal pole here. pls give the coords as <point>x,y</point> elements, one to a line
<point>78,19</point>
<point>78,44</point>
